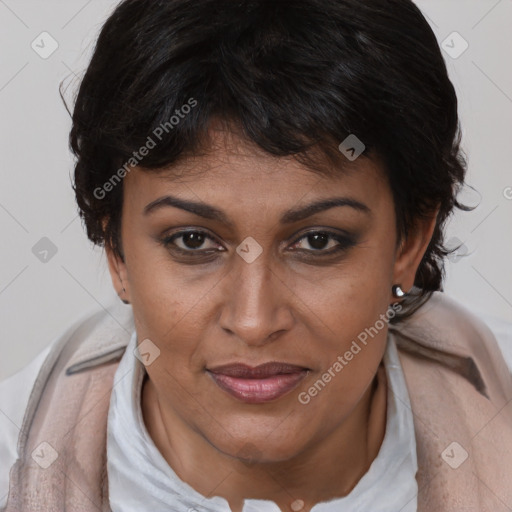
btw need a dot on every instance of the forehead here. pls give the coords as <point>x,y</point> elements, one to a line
<point>234,169</point>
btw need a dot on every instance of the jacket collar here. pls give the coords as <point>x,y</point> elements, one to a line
<point>104,335</point>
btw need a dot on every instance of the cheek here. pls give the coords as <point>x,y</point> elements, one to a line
<point>174,312</point>
<point>354,324</point>
<point>348,347</point>
<point>160,292</point>
<point>349,331</point>
<point>351,297</point>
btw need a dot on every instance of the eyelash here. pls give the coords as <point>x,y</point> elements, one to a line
<point>345,242</point>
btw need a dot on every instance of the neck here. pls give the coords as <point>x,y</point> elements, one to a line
<point>325,470</point>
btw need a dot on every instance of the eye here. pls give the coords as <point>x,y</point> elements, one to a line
<point>323,242</point>
<point>197,243</point>
<point>191,241</point>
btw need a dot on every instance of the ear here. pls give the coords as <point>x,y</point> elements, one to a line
<point>118,274</point>
<point>411,251</point>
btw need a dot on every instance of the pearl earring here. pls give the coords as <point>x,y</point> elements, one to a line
<point>397,291</point>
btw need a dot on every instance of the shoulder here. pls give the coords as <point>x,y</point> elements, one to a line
<point>445,323</point>
<point>93,338</point>
<point>14,395</point>
<point>482,334</point>
<point>502,330</point>
<point>447,332</point>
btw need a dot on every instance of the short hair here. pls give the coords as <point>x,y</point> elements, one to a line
<point>295,78</point>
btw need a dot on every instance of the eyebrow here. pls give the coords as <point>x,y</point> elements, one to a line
<point>290,216</point>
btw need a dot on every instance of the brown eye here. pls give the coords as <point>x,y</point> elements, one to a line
<point>193,240</point>
<point>318,240</point>
<point>323,242</point>
<point>190,241</point>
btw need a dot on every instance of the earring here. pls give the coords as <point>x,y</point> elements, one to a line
<point>397,291</point>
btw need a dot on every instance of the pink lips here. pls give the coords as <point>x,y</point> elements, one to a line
<point>263,383</point>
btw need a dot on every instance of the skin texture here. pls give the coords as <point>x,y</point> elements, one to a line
<point>291,305</point>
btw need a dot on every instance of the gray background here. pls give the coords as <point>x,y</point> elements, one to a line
<point>38,299</point>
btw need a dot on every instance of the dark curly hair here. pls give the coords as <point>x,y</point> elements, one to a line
<point>293,77</point>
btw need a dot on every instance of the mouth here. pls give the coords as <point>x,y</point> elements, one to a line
<point>263,383</point>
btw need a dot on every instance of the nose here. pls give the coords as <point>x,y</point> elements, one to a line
<point>257,304</point>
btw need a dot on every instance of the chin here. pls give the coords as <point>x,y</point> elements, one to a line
<point>258,449</point>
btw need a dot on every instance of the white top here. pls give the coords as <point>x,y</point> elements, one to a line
<point>140,479</point>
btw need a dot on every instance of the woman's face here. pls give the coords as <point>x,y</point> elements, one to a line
<point>248,285</point>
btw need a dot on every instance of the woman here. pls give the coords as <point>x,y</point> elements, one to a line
<point>270,181</point>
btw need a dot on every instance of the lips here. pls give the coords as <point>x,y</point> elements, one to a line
<point>261,371</point>
<point>262,383</point>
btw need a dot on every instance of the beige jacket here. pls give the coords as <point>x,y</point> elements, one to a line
<point>459,385</point>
